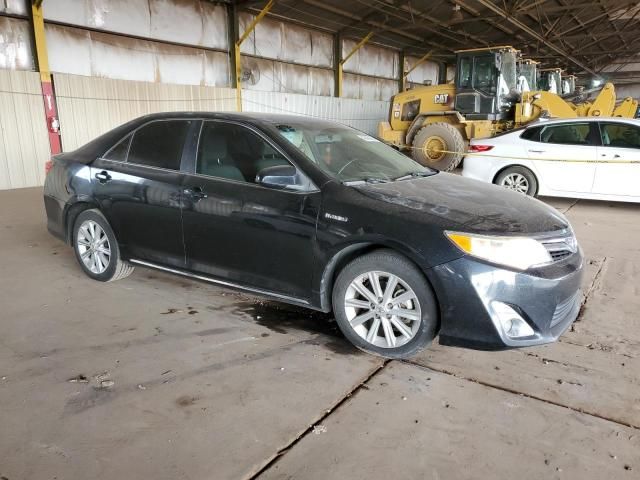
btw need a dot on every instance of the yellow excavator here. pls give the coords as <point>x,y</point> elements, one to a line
<point>492,93</point>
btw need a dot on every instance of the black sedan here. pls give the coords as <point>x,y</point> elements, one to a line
<point>324,216</point>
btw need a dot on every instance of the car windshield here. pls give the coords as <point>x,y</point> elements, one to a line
<point>350,155</point>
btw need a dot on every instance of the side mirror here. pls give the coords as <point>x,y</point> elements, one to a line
<point>279,176</point>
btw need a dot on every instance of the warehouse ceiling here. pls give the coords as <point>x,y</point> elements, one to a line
<point>590,38</point>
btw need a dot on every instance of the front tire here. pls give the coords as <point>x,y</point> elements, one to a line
<point>96,248</point>
<point>518,179</point>
<point>384,306</point>
<point>432,139</point>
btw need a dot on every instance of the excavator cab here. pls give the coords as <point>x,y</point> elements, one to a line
<point>527,75</point>
<point>550,80</point>
<point>486,83</point>
<point>568,84</point>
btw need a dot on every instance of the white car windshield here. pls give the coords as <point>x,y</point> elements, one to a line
<point>349,155</point>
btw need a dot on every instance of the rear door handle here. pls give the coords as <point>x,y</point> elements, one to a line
<point>196,193</point>
<point>536,151</point>
<point>103,176</point>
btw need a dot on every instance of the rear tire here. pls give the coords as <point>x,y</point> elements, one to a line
<point>96,248</point>
<point>518,179</point>
<point>434,137</point>
<point>384,305</point>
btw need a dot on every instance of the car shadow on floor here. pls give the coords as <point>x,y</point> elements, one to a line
<point>286,319</point>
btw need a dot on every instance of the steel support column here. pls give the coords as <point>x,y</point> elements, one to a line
<point>238,63</point>
<point>232,30</point>
<point>42,58</point>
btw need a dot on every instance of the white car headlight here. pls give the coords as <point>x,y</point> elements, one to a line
<point>515,252</point>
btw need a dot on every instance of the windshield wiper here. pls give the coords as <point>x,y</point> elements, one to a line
<point>414,175</point>
<point>366,180</point>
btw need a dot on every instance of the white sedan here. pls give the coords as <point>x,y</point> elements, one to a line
<point>596,158</point>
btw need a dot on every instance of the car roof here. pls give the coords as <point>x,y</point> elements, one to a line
<point>633,121</point>
<point>98,146</point>
<point>251,117</point>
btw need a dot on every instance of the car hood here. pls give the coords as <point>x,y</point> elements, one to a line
<point>470,205</point>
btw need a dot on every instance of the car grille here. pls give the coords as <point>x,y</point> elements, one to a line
<point>560,247</point>
<point>563,309</point>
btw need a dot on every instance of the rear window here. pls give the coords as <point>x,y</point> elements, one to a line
<point>159,144</point>
<point>532,134</point>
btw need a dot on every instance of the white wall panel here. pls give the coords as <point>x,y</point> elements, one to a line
<point>24,142</point>
<point>363,115</point>
<point>368,88</point>
<point>371,60</point>
<point>190,22</point>
<point>423,72</point>
<point>16,50</point>
<point>89,106</point>
<point>270,75</point>
<point>15,7</point>
<point>81,52</point>
<point>286,42</point>
<point>628,90</point>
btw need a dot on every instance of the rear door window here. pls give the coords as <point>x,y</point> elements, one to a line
<point>159,144</point>
<point>567,134</point>
<point>619,135</point>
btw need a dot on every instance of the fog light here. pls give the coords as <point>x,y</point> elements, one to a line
<point>513,325</point>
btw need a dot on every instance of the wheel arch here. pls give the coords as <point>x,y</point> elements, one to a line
<point>349,252</point>
<point>72,213</point>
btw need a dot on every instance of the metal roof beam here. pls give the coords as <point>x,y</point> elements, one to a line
<point>529,31</point>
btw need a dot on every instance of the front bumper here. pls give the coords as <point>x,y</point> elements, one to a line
<point>548,299</point>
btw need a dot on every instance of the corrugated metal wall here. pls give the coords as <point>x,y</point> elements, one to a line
<point>24,143</point>
<point>361,114</point>
<point>89,106</point>
<point>114,60</point>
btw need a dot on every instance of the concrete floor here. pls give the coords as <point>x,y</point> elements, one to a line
<point>160,377</point>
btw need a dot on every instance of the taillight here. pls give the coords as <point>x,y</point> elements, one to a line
<point>480,148</point>
<point>48,166</point>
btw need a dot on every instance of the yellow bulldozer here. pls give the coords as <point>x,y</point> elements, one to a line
<point>494,91</point>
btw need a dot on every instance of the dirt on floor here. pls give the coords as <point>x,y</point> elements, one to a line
<point>157,376</point>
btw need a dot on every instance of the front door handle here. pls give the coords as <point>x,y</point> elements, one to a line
<point>196,193</point>
<point>536,151</point>
<point>103,176</point>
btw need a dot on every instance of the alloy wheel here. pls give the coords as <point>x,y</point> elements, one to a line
<point>93,247</point>
<point>516,182</point>
<point>382,309</point>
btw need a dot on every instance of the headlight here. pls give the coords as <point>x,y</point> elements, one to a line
<point>515,252</point>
